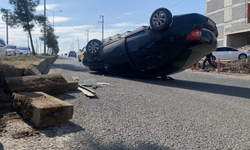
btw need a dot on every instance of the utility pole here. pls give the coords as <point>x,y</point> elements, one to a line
<point>102,22</point>
<point>44,29</point>
<point>7,29</point>
<point>36,46</point>
<point>87,36</point>
<point>78,43</point>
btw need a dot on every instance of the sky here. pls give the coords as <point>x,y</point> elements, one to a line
<point>72,19</point>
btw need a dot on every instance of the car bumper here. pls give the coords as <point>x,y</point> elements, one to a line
<point>10,54</point>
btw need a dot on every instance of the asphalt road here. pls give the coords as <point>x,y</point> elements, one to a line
<point>194,111</point>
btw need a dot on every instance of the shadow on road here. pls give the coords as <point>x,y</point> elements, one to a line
<point>61,129</point>
<point>70,67</point>
<point>119,145</point>
<point>1,146</point>
<point>199,86</point>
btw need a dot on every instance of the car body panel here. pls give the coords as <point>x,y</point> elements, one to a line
<point>229,53</point>
<point>3,48</point>
<point>24,50</point>
<point>143,52</point>
<point>80,54</point>
<point>12,50</point>
<point>72,54</point>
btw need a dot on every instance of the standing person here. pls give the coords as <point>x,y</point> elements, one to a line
<point>207,58</point>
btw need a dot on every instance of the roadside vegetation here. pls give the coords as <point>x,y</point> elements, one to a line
<point>20,61</point>
<point>23,15</point>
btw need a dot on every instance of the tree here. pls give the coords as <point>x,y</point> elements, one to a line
<point>23,15</point>
<point>51,39</point>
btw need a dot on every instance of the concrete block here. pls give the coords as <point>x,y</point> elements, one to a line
<point>42,109</point>
<point>32,71</point>
<point>73,84</point>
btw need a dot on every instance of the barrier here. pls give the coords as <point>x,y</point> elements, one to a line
<point>218,66</point>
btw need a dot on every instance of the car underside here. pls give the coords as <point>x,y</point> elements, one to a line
<point>169,45</point>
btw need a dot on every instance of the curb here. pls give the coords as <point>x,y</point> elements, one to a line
<point>40,67</point>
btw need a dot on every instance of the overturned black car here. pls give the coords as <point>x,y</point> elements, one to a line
<point>169,45</point>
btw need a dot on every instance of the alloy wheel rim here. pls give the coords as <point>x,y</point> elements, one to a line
<point>93,47</point>
<point>159,19</point>
<point>242,57</point>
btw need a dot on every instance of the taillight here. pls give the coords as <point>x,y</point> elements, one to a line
<point>195,35</point>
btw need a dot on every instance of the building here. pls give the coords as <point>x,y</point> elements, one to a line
<point>233,21</point>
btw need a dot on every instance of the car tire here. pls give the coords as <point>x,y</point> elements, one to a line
<point>242,56</point>
<point>93,47</point>
<point>160,19</point>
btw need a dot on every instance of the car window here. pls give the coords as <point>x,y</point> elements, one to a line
<point>235,50</point>
<point>11,47</point>
<point>23,48</point>
<point>219,49</point>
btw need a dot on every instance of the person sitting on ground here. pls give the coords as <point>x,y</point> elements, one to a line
<point>207,58</point>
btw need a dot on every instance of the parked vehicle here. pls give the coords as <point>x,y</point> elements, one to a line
<point>230,53</point>
<point>24,50</point>
<point>12,50</point>
<point>169,45</point>
<point>81,53</point>
<point>3,48</point>
<point>72,54</point>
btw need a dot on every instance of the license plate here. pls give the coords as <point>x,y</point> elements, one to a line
<point>210,22</point>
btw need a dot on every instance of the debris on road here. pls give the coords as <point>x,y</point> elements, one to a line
<point>42,109</point>
<point>50,84</point>
<point>102,84</point>
<point>87,85</point>
<point>86,92</point>
<point>75,78</point>
<point>73,83</point>
<point>86,88</point>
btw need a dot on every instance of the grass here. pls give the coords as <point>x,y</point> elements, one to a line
<point>21,61</point>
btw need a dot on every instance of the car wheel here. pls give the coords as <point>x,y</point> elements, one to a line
<point>161,19</point>
<point>242,56</point>
<point>93,47</point>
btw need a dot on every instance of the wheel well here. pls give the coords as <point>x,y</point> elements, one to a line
<point>242,54</point>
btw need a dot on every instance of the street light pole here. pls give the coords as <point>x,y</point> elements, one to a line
<point>102,22</point>
<point>87,36</point>
<point>44,30</point>
<point>53,14</point>
<point>78,43</point>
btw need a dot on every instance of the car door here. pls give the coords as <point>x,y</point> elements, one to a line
<point>234,53</point>
<point>218,53</point>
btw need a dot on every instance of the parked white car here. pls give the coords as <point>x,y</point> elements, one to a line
<point>230,53</point>
<point>3,48</point>
<point>24,50</point>
<point>12,50</point>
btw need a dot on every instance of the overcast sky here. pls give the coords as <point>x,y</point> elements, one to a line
<point>77,16</point>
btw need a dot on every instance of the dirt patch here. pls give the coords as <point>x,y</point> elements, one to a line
<point>21,61</point>
<point>5,118</point>
<point>230,66</point>
<point>23,134</point>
